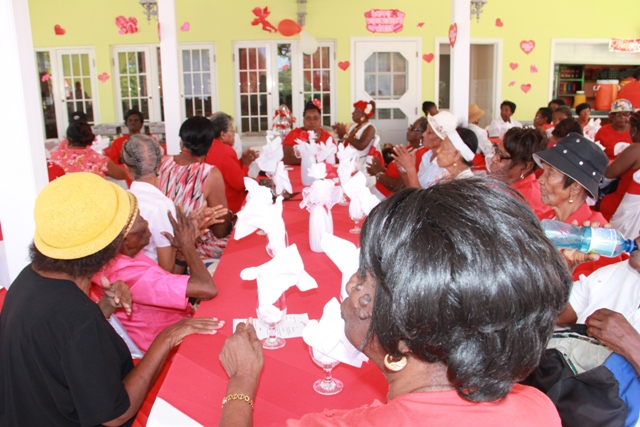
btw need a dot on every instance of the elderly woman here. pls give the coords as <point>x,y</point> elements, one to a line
<point>456,153</point>
<point>141,156</point>
<point>618,130</point>
<point>224,157</point>
<point>572,171</point>
<point>389,180</point>
<point>513,164</point>
<point>362,134</point>
<point>451,346</point>
<point>78,156</point>
<point>311,122</point>
<point>190,182</point>
<point>584,114</point>
<point>61,361</point>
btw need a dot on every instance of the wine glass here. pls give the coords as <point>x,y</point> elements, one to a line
<point>356,229</point>
<point>271,252</point>
<point>271,315</point>
<point>328,385</point>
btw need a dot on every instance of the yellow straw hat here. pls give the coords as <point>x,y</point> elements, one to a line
<point>80,214</point>
<point>475,113</point>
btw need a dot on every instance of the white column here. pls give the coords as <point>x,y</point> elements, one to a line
<point>460,60</point>
<point>170,74</point>
<point>23,171</point>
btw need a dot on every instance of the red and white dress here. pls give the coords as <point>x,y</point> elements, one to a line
<point>185,186</point>
<point>627,217</point>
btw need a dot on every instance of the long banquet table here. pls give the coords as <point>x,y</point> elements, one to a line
<point>196,381</point>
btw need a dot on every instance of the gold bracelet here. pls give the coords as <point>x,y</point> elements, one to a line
<point>238,396</point>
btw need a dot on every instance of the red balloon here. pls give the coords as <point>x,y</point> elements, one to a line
<point>289,28</point>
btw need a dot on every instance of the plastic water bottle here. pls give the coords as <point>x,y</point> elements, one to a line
<point>604,241</point>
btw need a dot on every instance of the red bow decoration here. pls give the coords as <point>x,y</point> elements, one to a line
<point>317,103</point>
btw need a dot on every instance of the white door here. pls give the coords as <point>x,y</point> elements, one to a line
<point>197,83</point>
<point>389,72</point>
<point>76,83</point>
<point>137,81</point>
<point>254,83</point>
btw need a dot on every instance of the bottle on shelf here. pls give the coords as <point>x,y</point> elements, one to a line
<point>604,241</point>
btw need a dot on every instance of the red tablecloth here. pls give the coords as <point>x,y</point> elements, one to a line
<point>196,382</point>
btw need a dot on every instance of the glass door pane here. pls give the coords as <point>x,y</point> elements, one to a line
<point>77,83</point>
<point>197,82</point>
<point>316,71</point>
<point>45,73</point>
<point>133,80</point>
<point>253,88</point>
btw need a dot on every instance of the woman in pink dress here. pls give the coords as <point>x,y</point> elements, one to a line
<point>78,156</point>
<point>190,182</point>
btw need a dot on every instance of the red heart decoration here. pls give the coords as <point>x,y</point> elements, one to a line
<point>344,65</point>
<point>59,30</point>
<point>453,34</point>
<point>513,65</point>
<point>499,23</point>
<point>420,24</point>
<point>103,77</point>
<point>527,46</point>
<point>512,83</point>
<point>525,87</point>
<point>533,69</point>
<point>428,57</point>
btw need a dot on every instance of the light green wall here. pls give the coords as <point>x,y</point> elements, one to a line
<point>91,23</point>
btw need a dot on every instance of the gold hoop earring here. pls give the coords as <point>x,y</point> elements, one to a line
<point>395,366</point>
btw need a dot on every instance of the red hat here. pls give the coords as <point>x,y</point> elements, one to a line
<point>365,106</point>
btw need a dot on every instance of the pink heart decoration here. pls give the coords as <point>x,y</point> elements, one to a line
<point>527,46</point>
<point>344,65</point>
<point>513,65</point>
<point>103,77</point>
<point>453,34</point>
<point>420,24</point>
<point>127,25</point>
<point>428,57</point>
<point>525,87</point>
<point>499,23</point>
<point>185,27</point>
<point>512,83</point>
<point>533,69</point>
<point>59,30</point>
<point>45,77</point>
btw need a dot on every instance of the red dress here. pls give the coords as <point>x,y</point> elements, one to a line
<point>609,137</point>
<point>610,202</point>
<point>116,148</point>
<point>530,190</point>
<point>393,172</point>
<point>584,213</point>
<point>291,137</point>
<point>224,157</point>
<point>631,92</point>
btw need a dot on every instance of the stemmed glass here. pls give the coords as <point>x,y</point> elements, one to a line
<point>356,229</point>
<point>328,385</point>
<point>271,315</point>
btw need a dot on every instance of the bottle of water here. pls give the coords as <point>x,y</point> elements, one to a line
<point>604,241</point>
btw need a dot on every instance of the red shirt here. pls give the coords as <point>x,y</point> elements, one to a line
<point>609,137</point>
<point>225,158</point>
<point>529,188</point>
<point>116,148</point>
<point>631,92</point>
<point>523,406</point>
<point>393,172</point>
<point>291,137</point>
<point>610,202</point>
<point>584,213</point>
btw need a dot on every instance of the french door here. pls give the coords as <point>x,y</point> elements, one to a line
<point>197,82</point>
<point>389,72</point>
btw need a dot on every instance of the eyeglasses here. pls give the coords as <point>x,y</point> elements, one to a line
<point>415,129</point>
<point>501,156</point>
<point>623,114</point>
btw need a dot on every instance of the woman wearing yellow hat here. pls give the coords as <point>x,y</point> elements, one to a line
<point>61,362</point>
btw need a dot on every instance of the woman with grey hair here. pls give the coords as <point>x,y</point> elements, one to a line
<point>141,156</point>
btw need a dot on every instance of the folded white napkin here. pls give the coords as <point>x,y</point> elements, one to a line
<point>327,151</point>
<point>592,128</point>
<point>271,153</point>
<point>361,199</point>
<point>328,340</point>
<point>317,170</point>
<point>276,276</point>
<point>281,179</point>
<point>308,148</point>
<point>323,192</point>
<point>347,157</point>
<point>260,193</point>
<point>257,215</point>
<point>99,144</point>
<point>345,255</point>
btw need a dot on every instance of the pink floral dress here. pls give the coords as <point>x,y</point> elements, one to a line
<point>80,160</point>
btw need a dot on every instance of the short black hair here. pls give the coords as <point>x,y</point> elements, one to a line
<point>546,113</point>
<point>130,113</point>
<point>581,107</point>
<point>80,134</point>
<point>85,267</point>
<point>564,110</point>
<point>427,105</point>
<point>197,134</point>
<point>465,276</point>
<point>311,106</point>
<point>557,101</point>
<point>567,126</point>
<point>470,139</point>
<point>510,105</point>
<point>220,122</point>
<point>523,143</point>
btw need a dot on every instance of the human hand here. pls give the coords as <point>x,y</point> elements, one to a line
<point>374,167</point>
<point>404,158</point>
<point>116,295</point>
<point>184,231</point>
<point>205,217</point>
<point>175,333</point>
<point>612,329</point>
<point>242,354</point>
<point>572,256</point>
<point>248,156</point>
<point>340,129</point>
